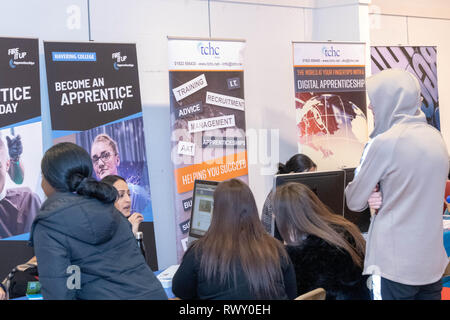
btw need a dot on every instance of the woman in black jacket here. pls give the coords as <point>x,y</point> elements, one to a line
<point>326,249</point>
<point>84,247</point>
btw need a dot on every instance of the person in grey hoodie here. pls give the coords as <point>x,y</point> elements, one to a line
<point>85,247</point>
<point>406,160</point>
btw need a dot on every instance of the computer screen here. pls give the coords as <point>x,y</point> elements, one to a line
<point>361,219</point>
<point>202,207</point>
<point>327,185</point>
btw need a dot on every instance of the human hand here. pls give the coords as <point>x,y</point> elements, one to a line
<point>135,219</point>
<point>15,147</point>
<point>375,199</point>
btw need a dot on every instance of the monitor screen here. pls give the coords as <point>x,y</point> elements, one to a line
<point>327,185</point>
<point>202,207</point>
<point>361,219</point>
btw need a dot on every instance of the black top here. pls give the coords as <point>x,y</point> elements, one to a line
<point>187,282</point>
<point>318,264</point>
<point>73,230</point>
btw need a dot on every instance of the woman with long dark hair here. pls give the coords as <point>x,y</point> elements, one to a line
<point>236,258</point>
<point>84,246</point>
<point>326,249</point>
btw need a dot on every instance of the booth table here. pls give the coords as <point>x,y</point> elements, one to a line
<point>445,285</point>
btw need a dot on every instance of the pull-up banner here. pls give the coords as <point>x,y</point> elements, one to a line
<point>330,101</point>
<point>207,109</point>
<point>20,137</point>
<point>95,102</point>
<point>421,62</point>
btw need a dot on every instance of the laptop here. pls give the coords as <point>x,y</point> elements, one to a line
<point>202,209</point>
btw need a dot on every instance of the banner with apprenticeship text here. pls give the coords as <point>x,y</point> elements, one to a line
<point>207,115</point>
<point>95,102</point>
<point>330,101</point>
<point>421,61</point>
<point>20,137</point>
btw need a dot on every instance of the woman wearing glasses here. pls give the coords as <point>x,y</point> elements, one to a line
<point>105,156</point>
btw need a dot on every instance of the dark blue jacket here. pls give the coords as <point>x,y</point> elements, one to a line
<point>72,230</point>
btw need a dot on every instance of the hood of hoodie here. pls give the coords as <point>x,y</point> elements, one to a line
<point>395,97</point>
<point>82,218</point>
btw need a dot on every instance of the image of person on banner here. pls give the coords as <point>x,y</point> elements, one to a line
<point>105,156</point>
<point>119,149</point>
<point>18,206</point>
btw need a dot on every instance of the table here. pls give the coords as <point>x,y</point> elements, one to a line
<point>445,284</point>
<point>168,291</point>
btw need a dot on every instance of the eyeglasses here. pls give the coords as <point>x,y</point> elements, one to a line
<point>104,156</point>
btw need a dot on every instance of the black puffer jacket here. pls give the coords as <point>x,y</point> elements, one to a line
<point>72,230</point>
<point>320,265</point>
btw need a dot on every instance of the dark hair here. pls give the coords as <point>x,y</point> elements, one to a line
<point>111,179</point>
<point>236,236</point>
<point>67,167</point>
<point>299,212</point>
<point>297,163</point>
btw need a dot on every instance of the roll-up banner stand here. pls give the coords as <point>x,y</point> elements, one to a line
<point>20,137</point>
<point>330,102</point>
<point>207,115</point>
<point>95,102</point>
<point>421,61</point>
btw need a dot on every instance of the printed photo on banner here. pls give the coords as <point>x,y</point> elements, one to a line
<point>205,105</point>
<point>208,136</point>
<point>421,62</point>
<point>20,137</point>
<point>119,149</point>
<point>95,102</point>
<point>330,102</point>
<point>329,121</point>
<point>20,180</point>
<point>207,116</point>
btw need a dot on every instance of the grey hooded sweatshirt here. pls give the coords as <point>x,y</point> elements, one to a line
<point>409,160</point>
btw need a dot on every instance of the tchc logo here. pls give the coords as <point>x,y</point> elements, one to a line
<point>208,50</point>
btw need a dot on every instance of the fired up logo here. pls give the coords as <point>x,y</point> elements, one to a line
<point>118,61</point>
<point>16,56</point>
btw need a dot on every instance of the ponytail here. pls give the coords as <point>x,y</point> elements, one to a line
<point>92,188</point>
